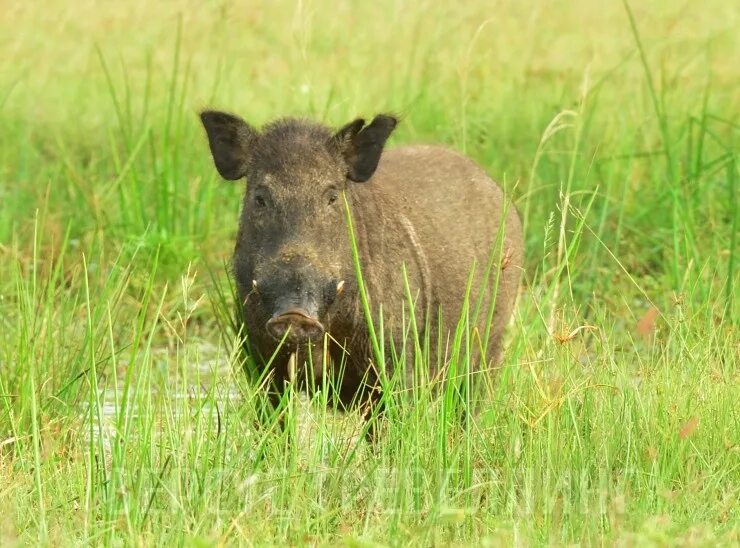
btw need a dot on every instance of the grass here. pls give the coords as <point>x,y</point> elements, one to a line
<point>125,417</point>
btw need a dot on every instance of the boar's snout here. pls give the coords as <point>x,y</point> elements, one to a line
<point>296,326</point>
<point>296,296</point>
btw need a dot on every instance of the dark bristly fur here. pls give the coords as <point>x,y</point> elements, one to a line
<point>425,207</point>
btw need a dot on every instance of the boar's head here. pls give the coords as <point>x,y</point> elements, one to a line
<point>292,254</point>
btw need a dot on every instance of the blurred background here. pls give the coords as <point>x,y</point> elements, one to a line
<point>99,103</point>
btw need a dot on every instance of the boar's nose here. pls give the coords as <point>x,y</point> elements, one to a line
<point>298,324</point>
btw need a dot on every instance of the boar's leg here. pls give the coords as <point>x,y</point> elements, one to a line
<point>373,414</point>
<point>355,391</point>
<point>269,407</point>
<point>275,386</point>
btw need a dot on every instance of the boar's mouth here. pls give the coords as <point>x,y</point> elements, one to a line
<point>295,326</point>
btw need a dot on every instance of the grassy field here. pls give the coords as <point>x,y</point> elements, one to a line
<point>124,415</point>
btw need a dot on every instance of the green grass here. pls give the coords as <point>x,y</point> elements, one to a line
<point>125,417</point>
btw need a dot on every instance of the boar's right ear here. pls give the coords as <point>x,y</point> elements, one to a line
<point>230,139</point>
<point>361,145</point>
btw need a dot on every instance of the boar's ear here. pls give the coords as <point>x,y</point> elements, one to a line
<point>362,145</point>
<point>230,139</point>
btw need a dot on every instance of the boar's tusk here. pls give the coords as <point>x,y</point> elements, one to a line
<point>340,287</point>
<point>254,284</point>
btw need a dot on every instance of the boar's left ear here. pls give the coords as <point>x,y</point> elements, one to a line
<point>362,145</point>
<point>230,139</point>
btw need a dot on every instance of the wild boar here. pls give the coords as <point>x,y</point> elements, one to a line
<point>425,209</point>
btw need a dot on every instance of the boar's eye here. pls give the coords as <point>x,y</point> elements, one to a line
<point>332,196</point>
<point>260,201</point>
<point>261,197</point>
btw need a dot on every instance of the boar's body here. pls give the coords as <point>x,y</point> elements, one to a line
<point>438,214</point>
<point>425,210</point>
